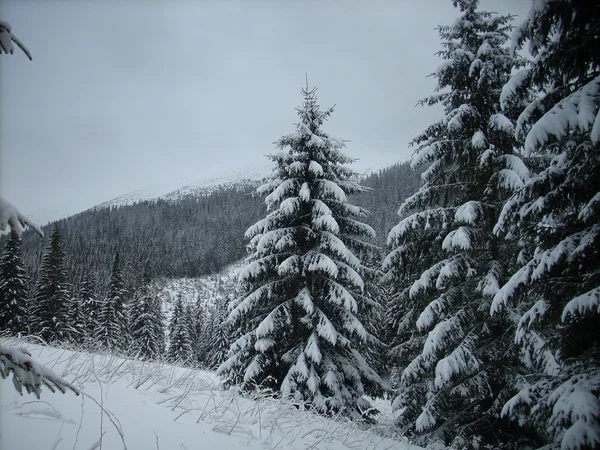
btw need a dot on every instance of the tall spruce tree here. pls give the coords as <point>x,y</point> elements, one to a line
<point>180,345</point>
<point>191,319</point>
<point>300,312</point>
<point>453,360</point>
<point>77,319</point>
<point>50,318</point>
<point>91,308</point>
<point>113,319</point>
<point>555,217</point>
<point>221,341</point>
<point>146,322</point>
<point>14,308</point>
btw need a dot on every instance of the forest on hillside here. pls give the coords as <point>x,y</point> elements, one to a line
<point>193,236</point>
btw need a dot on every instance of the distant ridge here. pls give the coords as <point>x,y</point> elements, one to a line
<point>248,178</point>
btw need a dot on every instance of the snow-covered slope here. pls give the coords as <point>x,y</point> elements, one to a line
<point>168,191</point>
<point>206,290</point>
<point>129,404</point>
<point>245,179</point>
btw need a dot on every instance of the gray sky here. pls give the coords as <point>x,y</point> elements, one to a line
<point>122,95</point>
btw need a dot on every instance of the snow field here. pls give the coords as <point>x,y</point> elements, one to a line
<point>131,404</point>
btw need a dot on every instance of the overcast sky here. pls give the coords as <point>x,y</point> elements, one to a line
<point>122,95</point>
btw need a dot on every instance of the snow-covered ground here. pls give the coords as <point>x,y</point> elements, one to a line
<point>206,290</point>
<point>135,405</point>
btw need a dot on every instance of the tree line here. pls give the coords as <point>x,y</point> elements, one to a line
<point>117,321</point>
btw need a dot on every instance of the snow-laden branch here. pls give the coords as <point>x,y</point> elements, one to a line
<point>29,374</point>
<point>10,215</point>
<point>7,38</point>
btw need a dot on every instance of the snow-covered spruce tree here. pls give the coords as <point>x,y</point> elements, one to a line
<point>113,333</point>
<point>205,331</point>
<point>191,322</point>
<point>50,309</point>
<point>180,345</point>
<point>555,216</point>
<point>14,308</point>
<point>221,339</point>
<point>455,362</point>
<point>91,308</point>
<point>146,323</point>
<point>159,324</point>
<point>76,331</point>
<point>300,315</point>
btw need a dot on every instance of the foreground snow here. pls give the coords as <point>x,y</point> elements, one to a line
<point>160,406</point>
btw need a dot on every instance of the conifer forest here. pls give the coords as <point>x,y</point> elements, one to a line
<point>456,293</point>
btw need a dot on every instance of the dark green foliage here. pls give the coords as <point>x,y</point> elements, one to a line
<point>77,320</point>
<point>220,335</point>
<point>14,309</point>
<point>388,188</point>
<point>191,237</point>
<point>454,362</point>
<point>91,308</point>
<point>147,329</point>
<point>180,345</point>
<point>113,333</point>
<point>555,219</point>
<point>50,311</point>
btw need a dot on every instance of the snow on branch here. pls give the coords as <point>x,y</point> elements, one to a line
<point>458,239</point>
<point>430,313</point>
<point>577,112</point>
<point>457,117</point>
<point>569,249</point>
<point>441,336</point>
<point>461,360</point>
<point>469,212</point>
<point>283,190</point>
<point>331,189</point>
<point>29,374</point>
<point>583,304</point>
<point>7,38</point>
<point>500,122</point>
<point>511,89</point>
<point>591,210</point>
<point>10,215</point>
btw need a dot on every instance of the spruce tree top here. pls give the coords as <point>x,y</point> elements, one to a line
<point>312,155</point>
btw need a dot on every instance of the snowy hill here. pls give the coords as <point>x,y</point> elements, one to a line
<point>194,234</point>
<point>167,191</point>
<point>129,404</point>
<point>207,290</point>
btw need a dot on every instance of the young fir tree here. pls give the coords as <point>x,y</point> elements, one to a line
<point>205,331</point>
<point>180,346</point>
<point>159,324</point>
<point>113,318</point>
<point>453,359</point>
<point>191,319</point>
<point>300,315</point>
<point>555,217</point>
<point>50,318</point>
<point>221,341</point>
<point>90,308</point>
<point>14,309</point>
<point>77,319</point>
<point>146,322</point>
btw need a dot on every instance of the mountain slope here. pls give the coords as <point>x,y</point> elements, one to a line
<point>196,230</point>
<point>240,180</point>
